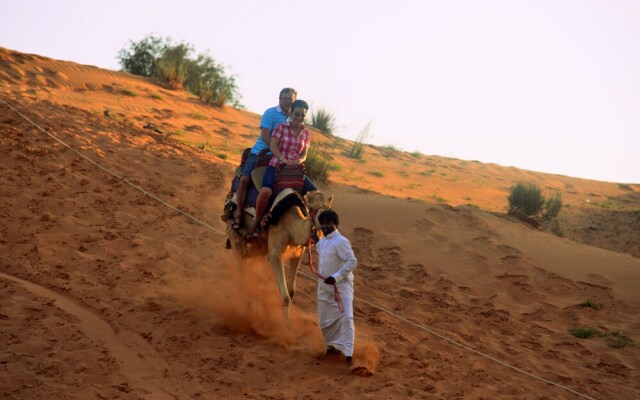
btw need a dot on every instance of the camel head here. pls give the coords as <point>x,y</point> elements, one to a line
<point>318,200</point>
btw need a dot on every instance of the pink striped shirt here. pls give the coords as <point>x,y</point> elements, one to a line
<point>290,147</point>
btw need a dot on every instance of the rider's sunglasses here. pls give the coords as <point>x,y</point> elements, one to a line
<point>299,115</point>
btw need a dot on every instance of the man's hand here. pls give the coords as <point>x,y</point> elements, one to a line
<point>330,280</point>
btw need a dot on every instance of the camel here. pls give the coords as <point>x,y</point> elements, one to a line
<point>288,234</point>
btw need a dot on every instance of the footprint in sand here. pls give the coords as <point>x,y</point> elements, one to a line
<point>416,273</point>
<point>424,225</point>
<point>599,280</point>
<point>389,257</point>
<point>55,73</point>
<point>439,238</point>
<point>479,263</point>
<point>483,240</point>
<point>361,240</point>
<point>51,83</point>
<point>510,251</point>
<point>361,371</point>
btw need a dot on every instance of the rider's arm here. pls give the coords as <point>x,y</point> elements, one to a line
<point>303,155</point>
<point>275,142</point>
<point>265,133</point>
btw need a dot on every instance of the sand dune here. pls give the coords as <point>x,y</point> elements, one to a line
<point>107,293</point>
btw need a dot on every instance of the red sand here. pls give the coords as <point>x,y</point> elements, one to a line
<point>106,293</point>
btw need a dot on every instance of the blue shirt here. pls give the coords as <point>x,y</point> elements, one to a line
<point>271,118</point>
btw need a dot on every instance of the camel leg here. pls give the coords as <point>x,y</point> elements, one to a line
<point>294,265</point>
<point>276,261</point>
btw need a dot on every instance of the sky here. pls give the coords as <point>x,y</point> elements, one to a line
<point>549,86</point>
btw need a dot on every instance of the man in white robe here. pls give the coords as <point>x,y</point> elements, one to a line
<point>336,264</point>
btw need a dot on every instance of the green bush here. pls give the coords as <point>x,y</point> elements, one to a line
<point>318,164</point>
<point>590,304</point>
<point>209,81</point>
<point>525,199</point>
<point>583,332</point>
<point>323,121</point>
<point>158,58</point>
<point>141,57</point>
<point>552,206</point>
<point>173,65</point>
<point>554,226</point>
<point>527,202</point>
<point>197,115</point>
<point>617,340</point>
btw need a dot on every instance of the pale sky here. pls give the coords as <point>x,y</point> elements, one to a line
<point>550,86</point>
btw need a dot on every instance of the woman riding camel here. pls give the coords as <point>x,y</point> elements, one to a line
<point>289,145</point>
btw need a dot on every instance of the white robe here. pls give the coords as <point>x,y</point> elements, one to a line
<point>336,259</point>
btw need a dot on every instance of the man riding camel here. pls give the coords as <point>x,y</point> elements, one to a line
<point>271,118</point>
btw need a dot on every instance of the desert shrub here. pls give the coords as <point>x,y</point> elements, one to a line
<point>317,164</point>
<point>172,64</point>
<point>552,206</point>
<point>141,57</point>
<point>209,81</point>
<point>439,199</point>
<point>617,340</point>
<point>427,173</point>
<point>527,203</point>
<point>590,304</point>
<point>324,121</point>
<point>197,115</point>
<point>583,332</point>
<point>129,92</point>
<point>358,146</point>
<point>525,199</point>
<point>554,227</point>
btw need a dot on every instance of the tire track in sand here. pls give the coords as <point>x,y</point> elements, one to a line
<point>142,371</point>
